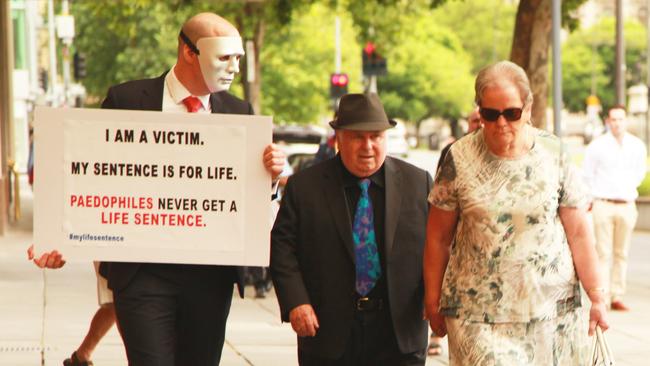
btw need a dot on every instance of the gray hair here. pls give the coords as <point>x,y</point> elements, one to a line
<point>503,71</point>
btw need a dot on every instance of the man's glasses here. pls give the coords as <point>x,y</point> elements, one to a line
<point>492,115</point>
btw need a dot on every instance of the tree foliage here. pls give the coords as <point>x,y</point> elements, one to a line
<point>531,43</point>
<point>589,57</point>
<point>432,53</point>
<point>484,28</point>
<point>382,21</point>
<point>429,74</point>
<point>297,63</point>
<point>256,19</point>
<point>125,40</point>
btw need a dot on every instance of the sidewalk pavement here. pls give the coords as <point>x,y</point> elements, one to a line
<point>37,332</point>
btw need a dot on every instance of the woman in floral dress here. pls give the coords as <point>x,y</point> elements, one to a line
<point>506,291</point>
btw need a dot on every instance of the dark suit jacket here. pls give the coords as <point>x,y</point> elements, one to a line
<point>312,255</point>
<point>147,95</point>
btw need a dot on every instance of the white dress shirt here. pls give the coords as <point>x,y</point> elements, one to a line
<point>174,93</point>
<point>613,170</point>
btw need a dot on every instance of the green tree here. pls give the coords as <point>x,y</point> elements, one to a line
<point>430,74</point>
<point>582,71</point>
<point>125,40</point>
<point>484,28</point>
<point>297,62</point>
<point>132,39</point>
<point>255,20</point>
<point>594,49</point>
<point>530,45</point>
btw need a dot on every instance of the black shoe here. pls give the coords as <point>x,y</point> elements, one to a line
<point>74,361</point>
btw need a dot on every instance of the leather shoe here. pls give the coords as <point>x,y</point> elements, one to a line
<point>619,306</point>
<point>74,361</point>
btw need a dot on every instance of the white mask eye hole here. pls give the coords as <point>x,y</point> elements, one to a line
<point>226,58</point>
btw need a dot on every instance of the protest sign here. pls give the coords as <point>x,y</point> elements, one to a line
<point>141,186</point>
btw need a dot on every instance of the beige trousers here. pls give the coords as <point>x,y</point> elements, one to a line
<point>613,227</point>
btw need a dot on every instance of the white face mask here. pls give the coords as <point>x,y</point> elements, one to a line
<point>219,60</point>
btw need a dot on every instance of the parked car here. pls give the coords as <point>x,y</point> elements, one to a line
<point>397,145</point>
<point>300,143</point>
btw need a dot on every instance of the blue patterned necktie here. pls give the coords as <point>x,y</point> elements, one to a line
<point>368,268</point>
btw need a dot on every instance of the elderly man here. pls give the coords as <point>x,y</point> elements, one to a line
<point>614,166</point>
<point>347,246</point>
<point>175,314</point>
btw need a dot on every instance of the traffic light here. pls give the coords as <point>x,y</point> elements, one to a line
<point>338,85</point>
<point>373,62</point>
<point>79,64</point>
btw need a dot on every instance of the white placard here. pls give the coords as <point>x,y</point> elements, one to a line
<point>140,186</point>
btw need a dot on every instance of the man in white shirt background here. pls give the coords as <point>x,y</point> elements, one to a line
<point>614,166</point>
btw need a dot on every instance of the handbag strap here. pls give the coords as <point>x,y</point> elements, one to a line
<point>601,349</point>
<point>604,346</point>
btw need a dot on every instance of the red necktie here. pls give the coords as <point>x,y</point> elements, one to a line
<point>192,103</point>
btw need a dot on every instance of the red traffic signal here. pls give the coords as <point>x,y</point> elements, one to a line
<point>373,63</point>
<point>369,49</point>
<point>339,80</point>
<point>338,85</point>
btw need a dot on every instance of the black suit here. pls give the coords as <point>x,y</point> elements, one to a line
<point>312,255</point>
<point>171,314</point>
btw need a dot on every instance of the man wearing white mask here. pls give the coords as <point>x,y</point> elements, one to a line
<point>175,314</point>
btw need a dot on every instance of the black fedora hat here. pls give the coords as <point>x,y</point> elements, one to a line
<point>361,112</point>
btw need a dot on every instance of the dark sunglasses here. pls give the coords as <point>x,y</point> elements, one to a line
<point>492,115</point>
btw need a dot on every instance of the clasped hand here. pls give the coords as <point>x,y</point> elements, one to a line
<point>436,320</point>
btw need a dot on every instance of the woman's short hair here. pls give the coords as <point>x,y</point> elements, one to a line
<point>503,70</point>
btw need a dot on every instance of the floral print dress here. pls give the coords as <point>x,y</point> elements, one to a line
<point>510,291</point>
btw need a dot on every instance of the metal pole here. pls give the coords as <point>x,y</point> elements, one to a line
<point>620,55</point>
<point>31,13</point>
<point>647,60</point>
<point>337,42</point>
<point>557,68</point>
<point>593,68</point>
<point>66,59</point>
<point>52,48</point>
<point>372,85</point>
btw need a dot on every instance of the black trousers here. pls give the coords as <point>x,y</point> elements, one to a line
<point>175,315</point>
<point>372,343</point>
